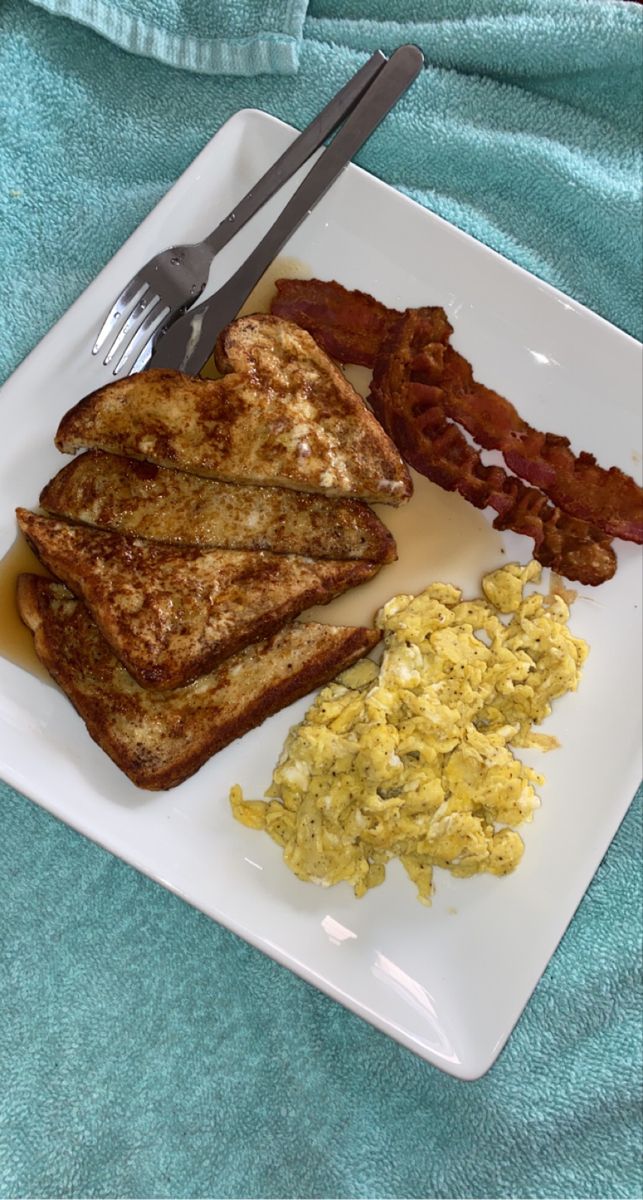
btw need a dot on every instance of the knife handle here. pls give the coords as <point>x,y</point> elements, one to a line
<point>188,343</point>
<point>299,151</point>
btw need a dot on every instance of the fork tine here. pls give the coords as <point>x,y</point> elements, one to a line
<point>148,300</point>
<point>147,351</point>
<point>130,295</point>
<point>154,316</point>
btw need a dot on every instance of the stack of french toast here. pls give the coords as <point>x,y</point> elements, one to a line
<point>201,519</point>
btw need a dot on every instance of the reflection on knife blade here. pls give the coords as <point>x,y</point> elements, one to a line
<point>189,342</point>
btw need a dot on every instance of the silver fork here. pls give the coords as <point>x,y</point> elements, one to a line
<point>187,345</point>
<point>174,279</point>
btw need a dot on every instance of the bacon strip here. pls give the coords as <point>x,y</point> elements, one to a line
<point>352,326</point>
<point>609,499</point>
<point>414,417</point>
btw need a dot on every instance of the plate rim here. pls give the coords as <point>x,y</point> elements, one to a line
<point>474,1069</point>
<point>250,113</point>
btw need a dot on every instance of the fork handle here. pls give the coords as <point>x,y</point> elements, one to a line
<point>297,153</point>
<point>188,343</point>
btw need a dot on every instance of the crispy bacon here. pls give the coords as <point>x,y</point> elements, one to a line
<point>413,414</point>
<point>609,499</point>
<point>352,326</point>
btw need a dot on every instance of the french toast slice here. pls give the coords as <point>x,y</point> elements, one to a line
<point>160,738</point>
<point>172,613</point>
<point>128,496</point>
<point>282,415</point>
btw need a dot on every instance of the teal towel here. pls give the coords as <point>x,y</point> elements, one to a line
<point>144,1051</point>
<point>252,38</point>
<point>543,165</point>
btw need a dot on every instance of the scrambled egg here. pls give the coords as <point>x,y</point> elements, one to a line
<point>412,759</point>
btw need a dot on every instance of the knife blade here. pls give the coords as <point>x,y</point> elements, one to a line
<point>189,342</point>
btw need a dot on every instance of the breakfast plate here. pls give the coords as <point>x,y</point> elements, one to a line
<point>449,981</point>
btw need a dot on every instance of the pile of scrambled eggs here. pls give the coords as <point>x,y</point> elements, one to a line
<point>412,759</point>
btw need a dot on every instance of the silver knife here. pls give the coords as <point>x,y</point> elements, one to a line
<point>189,342</point>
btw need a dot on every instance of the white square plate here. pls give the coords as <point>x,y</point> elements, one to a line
<point>448,981</point>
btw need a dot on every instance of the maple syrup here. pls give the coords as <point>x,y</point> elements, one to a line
<point>16,641</point>
<point>440,536</point>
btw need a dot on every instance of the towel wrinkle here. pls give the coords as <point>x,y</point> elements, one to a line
<point>557,42</point>
<point>255,38</point>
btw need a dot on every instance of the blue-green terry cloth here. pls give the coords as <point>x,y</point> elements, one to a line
<point>227,38</point>
<point>145,1051</point>
<point>542,163</point>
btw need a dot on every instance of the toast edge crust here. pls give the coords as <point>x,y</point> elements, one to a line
<point>59,498</point>
<point>315,672</point>
<point>70,436</point>
<point>165,674</point>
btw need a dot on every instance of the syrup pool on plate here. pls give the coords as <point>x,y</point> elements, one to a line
<point>439,535</point>
<point>16,641</point>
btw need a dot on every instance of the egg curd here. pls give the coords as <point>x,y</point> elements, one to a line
<point>412,759</point>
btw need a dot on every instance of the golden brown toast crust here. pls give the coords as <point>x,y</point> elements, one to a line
<point>128,496</point>
<point>159,739</point>
<point>173,613</point>
<point>282,415</point>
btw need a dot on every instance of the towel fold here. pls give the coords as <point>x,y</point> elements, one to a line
<point>493,37</point>
<point>545,167</point>
<point>256,37</point>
